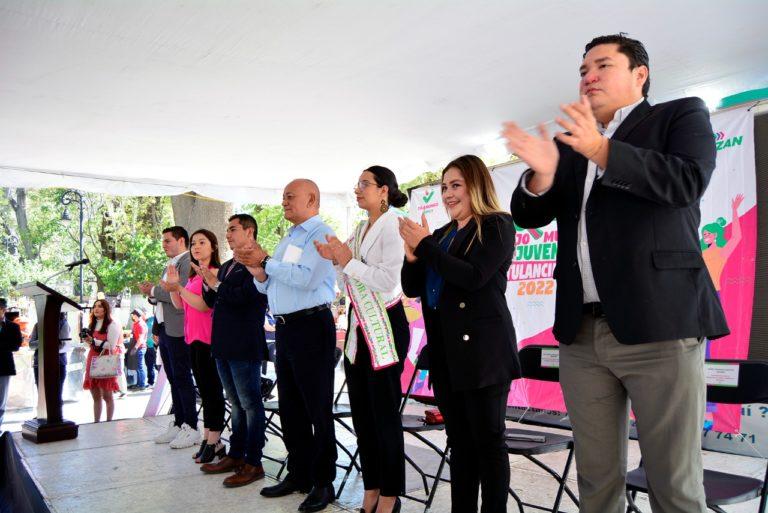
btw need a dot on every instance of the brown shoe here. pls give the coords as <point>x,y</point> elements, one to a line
<point>244,475</point>
<point>225,464</point>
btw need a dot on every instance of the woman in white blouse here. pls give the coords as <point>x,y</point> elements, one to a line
<point>377,339</point>
<point>104,336</point>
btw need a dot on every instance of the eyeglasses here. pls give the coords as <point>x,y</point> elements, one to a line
<point>363,184</point>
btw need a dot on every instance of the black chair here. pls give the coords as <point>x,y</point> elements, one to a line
<point>415,425</point>
<point>530,361</point>
<point>722,488</point>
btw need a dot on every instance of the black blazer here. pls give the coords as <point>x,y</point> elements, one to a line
<point>642,226</point>
<point>238,315</point>
<point>470,338</point>
<point>10,341</point>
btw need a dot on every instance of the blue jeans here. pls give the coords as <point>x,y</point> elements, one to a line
<point>242,383</point>
<point>141,368</point>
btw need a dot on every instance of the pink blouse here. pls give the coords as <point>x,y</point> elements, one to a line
<point>197,324</point>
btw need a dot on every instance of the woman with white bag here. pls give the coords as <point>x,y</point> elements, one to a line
<point>103,335</point>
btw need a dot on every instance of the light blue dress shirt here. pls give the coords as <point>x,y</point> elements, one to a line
<point>306,283</point>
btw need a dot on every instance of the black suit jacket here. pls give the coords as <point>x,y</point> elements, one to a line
<point>470,338</point>
<point>642,225</point>
<point>10,341</point>
<point>238,315</point>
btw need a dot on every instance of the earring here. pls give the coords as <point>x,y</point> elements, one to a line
<point>384,207</point>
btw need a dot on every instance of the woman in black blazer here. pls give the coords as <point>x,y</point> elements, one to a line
<point>460,274</point>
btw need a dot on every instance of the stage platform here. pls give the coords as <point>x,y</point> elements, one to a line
<point>116,467</point>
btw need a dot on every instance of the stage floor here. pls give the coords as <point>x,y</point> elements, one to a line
<point>116,467</point>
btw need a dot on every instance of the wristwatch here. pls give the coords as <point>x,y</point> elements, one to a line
<point>264,262</point>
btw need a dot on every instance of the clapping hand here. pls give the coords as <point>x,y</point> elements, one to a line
<point>208,276</point>
<point>583,136</point>
<point>250,255</point>
<point>412,234</point>
<point>334,250</point>
<point>171,282</point>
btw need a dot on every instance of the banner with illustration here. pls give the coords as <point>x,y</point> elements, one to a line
<point>728,236</point>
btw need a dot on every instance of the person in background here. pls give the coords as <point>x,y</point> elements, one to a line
<point>198,320</point>
<point>65,335</point>
<point>150,357</point>
<point>103,337</point>
<point>139,333</point>
<point>368,269</point>
<point>460,274</point>
<point>10,341</point>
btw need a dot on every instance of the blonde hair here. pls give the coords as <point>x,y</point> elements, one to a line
<point>482,193</point>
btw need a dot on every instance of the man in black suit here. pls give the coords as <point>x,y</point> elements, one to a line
<point>634,299</point>
<point>10,341</point>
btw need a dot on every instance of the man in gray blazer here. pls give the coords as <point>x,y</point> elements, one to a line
<point>182,431</point>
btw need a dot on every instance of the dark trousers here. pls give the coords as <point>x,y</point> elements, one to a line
<point>208,383</point>
<point>150,359</point>
<point>305,362</point>
<point>475,424</point>
<point>242,381</point>
<point>375,397</point>
<point>175,354</point>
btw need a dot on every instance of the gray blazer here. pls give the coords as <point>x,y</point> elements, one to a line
<point>173,318</point>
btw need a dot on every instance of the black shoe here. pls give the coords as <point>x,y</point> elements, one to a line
<point>212,451</point>
<point>285,487</point>
<point>318,499</point>
<point>200,450</point>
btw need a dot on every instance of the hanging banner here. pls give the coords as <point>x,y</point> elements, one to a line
<point>728,237</point>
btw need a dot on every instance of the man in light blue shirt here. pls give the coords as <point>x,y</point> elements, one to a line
<point>299,285</point>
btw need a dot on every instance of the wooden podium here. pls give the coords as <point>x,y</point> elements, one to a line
<point>49,426</point>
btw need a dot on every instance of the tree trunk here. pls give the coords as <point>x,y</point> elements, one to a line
<point>19,205</point>
<point>194,212</point>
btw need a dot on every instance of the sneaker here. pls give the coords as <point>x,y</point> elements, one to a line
<point>169,435</point>
<point>187,437</point>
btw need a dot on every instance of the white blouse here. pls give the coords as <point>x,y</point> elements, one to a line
<point>114,334</point>
<point>381,259</point>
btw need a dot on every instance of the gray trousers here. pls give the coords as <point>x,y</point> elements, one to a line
<point>665,383</point>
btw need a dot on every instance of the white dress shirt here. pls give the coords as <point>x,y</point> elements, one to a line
<point>593,172</point>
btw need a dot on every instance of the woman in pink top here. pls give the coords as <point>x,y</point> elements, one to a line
<point>198,319</point>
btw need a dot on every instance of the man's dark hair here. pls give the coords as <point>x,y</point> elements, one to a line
<point>246,221</point>
<point>632,48</point>
<point>178,232</point>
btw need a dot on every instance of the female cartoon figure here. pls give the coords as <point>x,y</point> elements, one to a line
<point>716,249</point>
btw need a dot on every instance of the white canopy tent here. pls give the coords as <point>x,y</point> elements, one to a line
<point>242,96</point>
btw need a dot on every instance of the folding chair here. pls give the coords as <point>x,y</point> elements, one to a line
<point>722,488</point>
<point>272,409</point>
<point>415,425</point>
<point>530,362</point>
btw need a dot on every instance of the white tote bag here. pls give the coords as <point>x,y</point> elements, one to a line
<point>105,365</point>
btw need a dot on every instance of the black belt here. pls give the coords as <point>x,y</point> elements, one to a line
<point>593,309</point>
<point>286,318</point>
